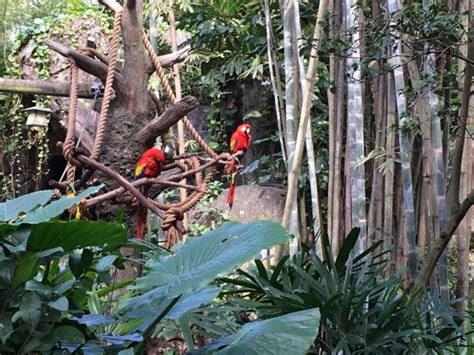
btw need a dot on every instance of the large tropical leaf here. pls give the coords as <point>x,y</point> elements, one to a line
<point>9,210</point>
<point>54,208</point>
<point>201,260</point>
<point>74,234</point>
<point>291,333</point>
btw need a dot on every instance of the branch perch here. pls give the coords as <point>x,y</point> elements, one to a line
<point>169,179</point>
<point>44,87</point>
<point>122,181</point>
<point>88,64</point>
<point>162,123</point>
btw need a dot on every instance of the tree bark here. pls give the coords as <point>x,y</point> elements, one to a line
<point>159,125</point>
<point>44,87</point>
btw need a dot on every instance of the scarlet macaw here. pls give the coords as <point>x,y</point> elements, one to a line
<point>239,142</point>
<point>149,165</point>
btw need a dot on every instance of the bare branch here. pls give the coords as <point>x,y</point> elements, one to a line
<point>88,64</point>
<point>445,236</point>
<point>174,57</point>
<point>44,87</point>
<point>119,191</point>
<point>161,124</point>
<point>111,4</point>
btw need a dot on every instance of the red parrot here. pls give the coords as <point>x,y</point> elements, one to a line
<point>239,142</point>
<point>149,165</point>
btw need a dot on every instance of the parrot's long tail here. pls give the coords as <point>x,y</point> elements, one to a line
<point>231,194</point>
<point>141,214</point>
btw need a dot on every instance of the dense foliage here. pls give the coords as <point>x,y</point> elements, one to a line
<point>56,290</point>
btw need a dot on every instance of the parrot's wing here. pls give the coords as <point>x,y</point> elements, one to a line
<point>140,171</point>
<point>233,142</point>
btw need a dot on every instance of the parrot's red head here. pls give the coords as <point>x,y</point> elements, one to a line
<point>245,128</point>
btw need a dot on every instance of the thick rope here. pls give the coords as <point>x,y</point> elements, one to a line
<point>172,97</point>
<point>108,91</point>
<point>71,125</point>
<point>175,212</point>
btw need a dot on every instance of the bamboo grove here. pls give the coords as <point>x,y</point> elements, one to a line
<point>400,116</point>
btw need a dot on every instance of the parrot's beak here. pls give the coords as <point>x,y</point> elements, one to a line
<point>168,151</point>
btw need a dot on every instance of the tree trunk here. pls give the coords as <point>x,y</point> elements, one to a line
<point>311,159</point>
<point>177,91</point>
<point>273,68</point>
<point>290,114</point>
<point>388,234</point>
<point>405,154</point>
<point>304,117</point>
<point>355,129</point>
<point>464,230</point>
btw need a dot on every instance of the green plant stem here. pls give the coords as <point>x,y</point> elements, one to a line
<point>149,331</point>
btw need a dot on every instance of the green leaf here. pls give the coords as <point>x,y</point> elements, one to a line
<point>9,210</point>
<point>29,309</point>
<point>75,264</point>
<point>75,234</point>
<point>69,334</point>
<point>63,287</point>
<point>201,260</point>
<point>291,333</point>
<point>55,208</point>
<point>105,263</point>
<point>43,290</point>
<point>347,248</point>
<point>61,304</point>
<point>184,305</point>
<point>25,270</point>
<point>87,258</point>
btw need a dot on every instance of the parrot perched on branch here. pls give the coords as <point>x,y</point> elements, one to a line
<point>239,143</point>
<point>149,165</point>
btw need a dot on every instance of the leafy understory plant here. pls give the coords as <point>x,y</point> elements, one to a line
<point>47,267</point>
<point>361,309</point>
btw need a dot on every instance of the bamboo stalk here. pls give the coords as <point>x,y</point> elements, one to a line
<point>310,154</point>
<point>405,153</point>
<point>355,129</point>
<point>277,93</point>
<point>304,117</point>
<point>177,91</point>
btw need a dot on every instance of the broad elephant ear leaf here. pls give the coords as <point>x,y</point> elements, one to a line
<point>291,333</point>
<point>202,259</point>
<point>10,210</point>
<point>75,234</point>
<point>54,208</point>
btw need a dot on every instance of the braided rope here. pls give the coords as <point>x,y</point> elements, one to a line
<point>108,91</point>
<point>71,125</point>
<point>172,97</point>
<point>175,212</point>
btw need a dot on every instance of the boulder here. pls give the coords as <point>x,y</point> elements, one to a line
<point>253,202</point>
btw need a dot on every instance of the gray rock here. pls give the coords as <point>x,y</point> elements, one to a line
<point>254,202</point>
